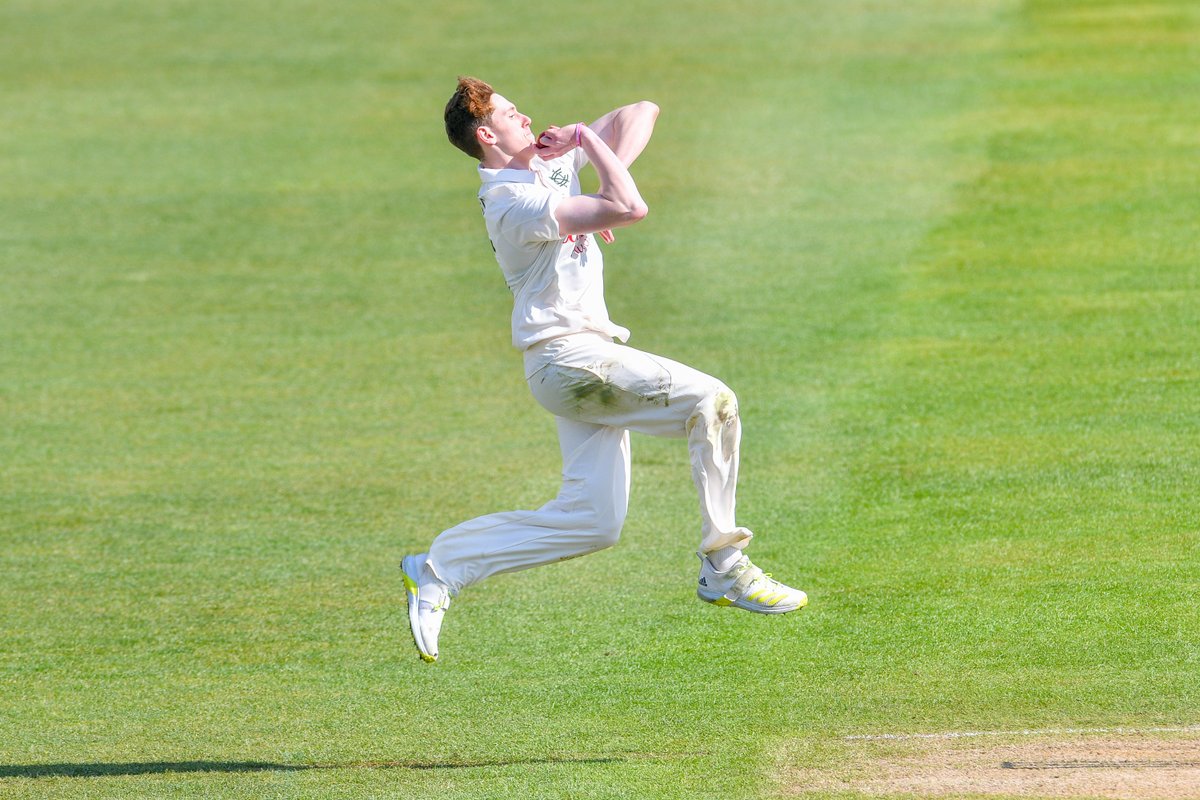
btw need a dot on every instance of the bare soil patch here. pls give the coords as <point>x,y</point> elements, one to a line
<point>1125,767</point>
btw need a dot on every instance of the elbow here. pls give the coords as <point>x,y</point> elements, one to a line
<point>622,212</point>
<point>631,212</point>
<point>649,108</point>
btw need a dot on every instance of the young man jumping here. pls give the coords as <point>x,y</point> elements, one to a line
<point>544,231</point>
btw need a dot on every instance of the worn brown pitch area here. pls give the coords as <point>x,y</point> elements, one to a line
<point>1124,767</point>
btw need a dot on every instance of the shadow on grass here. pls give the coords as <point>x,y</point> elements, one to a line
<point>100,770</point>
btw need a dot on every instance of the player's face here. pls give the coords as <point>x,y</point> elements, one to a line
<point>511,127</point>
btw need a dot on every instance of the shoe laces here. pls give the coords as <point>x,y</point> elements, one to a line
<point>430,608</point>
<point>753,575</point>
<point>441,605</point>
<point>759,575</point>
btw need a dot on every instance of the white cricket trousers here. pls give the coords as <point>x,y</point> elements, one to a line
<point>599,391</point>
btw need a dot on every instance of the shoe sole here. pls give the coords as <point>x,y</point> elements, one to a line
<point>722,601</point>
<point>409,565</point>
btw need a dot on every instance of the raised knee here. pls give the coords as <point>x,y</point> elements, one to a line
<point>725,406</point>
<point>608,530</point>
<point>608,537</point>
<point>718,409</point>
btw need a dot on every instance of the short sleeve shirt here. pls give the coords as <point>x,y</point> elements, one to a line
<point>557,281</point>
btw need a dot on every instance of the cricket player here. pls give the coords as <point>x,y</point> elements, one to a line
<point>544,232</point>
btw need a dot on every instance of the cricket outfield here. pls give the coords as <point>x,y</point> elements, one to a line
<point>255,349</point>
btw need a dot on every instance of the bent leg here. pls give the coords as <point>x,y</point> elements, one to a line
<point>606,383</point>
<point>714,431</point>
<point>586,516</point>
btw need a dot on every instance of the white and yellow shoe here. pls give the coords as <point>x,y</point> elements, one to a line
<point>746,586</point>
<point>428,600</point>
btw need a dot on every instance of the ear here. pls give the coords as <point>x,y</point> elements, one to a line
<point>485,135</point>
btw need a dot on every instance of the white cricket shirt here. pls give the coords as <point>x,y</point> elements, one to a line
<point>557,281</point>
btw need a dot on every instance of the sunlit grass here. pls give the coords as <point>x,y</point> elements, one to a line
<point>255,349</point>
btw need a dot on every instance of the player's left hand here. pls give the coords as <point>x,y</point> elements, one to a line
<point>607,236</point>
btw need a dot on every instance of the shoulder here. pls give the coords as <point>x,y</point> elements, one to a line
<point>523,214</point>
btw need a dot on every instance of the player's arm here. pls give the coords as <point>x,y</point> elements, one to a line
<point>616,204</point>
<point>627,130</point>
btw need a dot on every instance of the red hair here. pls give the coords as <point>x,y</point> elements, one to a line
<point>469,107</point>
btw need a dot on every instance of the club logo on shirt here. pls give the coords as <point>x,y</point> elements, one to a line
<point>559,178</point>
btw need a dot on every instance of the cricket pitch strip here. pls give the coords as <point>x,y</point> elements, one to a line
<point>1129,765</point>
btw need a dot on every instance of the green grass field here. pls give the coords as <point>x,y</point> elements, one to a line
<point>254,348</point>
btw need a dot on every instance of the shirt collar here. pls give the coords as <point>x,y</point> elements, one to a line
<point>507,175</point>
<point>537,167</point>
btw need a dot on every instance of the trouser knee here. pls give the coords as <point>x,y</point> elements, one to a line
<point>717,409</point>
<point>607,529</point>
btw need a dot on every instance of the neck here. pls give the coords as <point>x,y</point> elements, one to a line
<point>495,159</point>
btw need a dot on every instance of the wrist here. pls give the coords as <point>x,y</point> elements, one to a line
<point>579,129</point>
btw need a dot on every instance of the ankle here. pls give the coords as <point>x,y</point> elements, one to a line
<point>724,559</point>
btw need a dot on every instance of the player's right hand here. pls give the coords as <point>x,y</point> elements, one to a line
<point>555,141</point>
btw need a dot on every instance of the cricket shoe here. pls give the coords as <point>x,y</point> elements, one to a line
<point>746,586</point>
<point>428,598</point>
